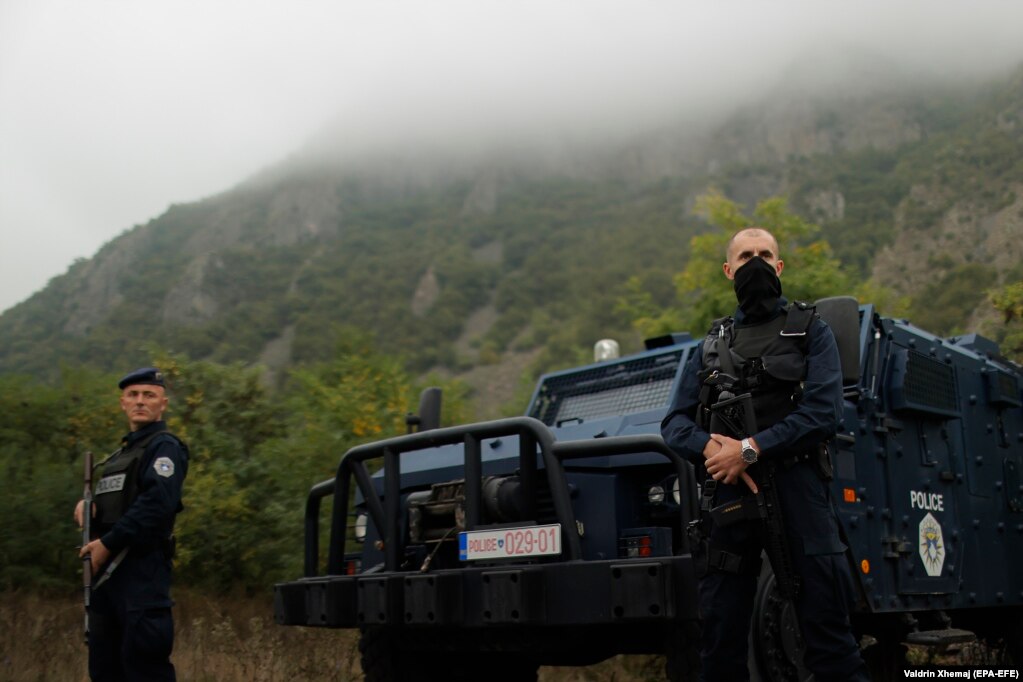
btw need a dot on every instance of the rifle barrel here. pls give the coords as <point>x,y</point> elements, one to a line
<point>86,538</point>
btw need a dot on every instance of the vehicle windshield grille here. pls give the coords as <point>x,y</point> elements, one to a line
<point>613,389</point>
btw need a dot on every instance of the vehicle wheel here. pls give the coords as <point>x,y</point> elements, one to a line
<point>682,653</point>
<point>495,667</point>
<point>384,661</point>
<point>776,646</point>
<point>1002,644</point>
<point>1014,640</point>
<point>386,657</point>
<point>886,657</point>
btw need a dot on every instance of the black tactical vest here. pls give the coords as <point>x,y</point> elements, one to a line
<point>119,485</point>
<point>767,360</point>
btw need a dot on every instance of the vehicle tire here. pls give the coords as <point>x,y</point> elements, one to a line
<point>383,660</point>
<point>776,644</point>
<point>1003,640</point>
<point>498,667</point>
<point>386,657</point>
<point>1014,639</point>
<point>886,658</point>
<point>682,653</point>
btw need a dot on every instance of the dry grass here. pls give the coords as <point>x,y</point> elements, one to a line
<point>223,639</point>
<point>41,638</point>
<point>617,669</point>
<point>227,639</point>
<point>235,639</point>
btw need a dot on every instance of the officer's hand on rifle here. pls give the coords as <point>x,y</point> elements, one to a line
<point>78,512</point>
<point>98,553</point>
<point>726,465</point>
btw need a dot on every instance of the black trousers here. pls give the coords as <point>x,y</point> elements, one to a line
<point>825,597</point>
<point>131,631</point>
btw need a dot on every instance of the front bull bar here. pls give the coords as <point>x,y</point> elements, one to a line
<point>532,434</point>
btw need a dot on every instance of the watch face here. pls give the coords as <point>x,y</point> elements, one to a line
<point>749,455</point>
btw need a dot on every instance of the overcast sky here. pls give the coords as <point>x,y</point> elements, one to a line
<point>112,110</point>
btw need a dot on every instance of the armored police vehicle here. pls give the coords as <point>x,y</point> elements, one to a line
<point>559,538</point>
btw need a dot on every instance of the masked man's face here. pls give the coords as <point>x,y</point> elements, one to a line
<point>749,244</point>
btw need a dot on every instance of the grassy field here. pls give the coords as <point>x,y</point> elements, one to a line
<point>223,639</point>
<point>234,639</point>
<point>217,640</point>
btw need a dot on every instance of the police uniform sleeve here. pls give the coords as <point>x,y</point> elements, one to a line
<point>150,518</point>
<point>816,417</point>
<point>678,427</point>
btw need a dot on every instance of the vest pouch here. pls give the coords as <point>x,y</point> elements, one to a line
<point>116,488</point>
<point>788,367</point>
<point>770,408</point>
<point>825,469</point>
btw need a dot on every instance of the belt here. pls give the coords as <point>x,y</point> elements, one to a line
<point>793,460</point>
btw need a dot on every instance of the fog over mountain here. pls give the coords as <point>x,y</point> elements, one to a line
<point>111,112</point>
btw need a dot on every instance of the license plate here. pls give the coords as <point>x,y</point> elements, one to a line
<point>510,543</point>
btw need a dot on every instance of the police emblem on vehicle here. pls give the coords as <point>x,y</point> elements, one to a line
<point>109,484</point>
<point>932,545</point>
<point>164,466</point>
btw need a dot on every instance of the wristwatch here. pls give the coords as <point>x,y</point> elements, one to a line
<point>749,454</point>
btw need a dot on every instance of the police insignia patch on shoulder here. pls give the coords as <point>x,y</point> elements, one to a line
<point>164,466</point>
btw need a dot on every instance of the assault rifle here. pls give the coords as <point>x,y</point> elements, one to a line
<point>87,538</point>
<point>733,415</point>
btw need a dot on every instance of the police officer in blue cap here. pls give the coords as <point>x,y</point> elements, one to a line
<point>787,359</point>
<point>136,499</point>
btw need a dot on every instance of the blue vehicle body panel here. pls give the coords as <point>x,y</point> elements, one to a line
<point>927,487</point>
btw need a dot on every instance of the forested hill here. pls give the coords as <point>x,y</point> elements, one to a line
<point>497,260</point>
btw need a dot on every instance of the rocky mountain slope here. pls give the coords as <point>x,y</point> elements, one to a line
<point>465,261</point>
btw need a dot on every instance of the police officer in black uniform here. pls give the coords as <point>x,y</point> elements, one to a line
<point>136,498</point>
<point>789,362</point>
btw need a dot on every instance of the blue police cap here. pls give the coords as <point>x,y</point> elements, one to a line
<point>145,375</point>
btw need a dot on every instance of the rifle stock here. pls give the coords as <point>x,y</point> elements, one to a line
<point>736,414</point>
<point>776,544</point>
<point>86,538</point>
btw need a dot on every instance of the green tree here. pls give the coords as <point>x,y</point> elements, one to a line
<point>946,304</point>
<point>359,396</point>
<point>1008,300</point>
<point>253,457</point>
<point>703,292</point>
<point>44,433</point>
<point>229,532</point>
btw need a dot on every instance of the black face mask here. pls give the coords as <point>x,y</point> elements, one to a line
<point>757,288</point>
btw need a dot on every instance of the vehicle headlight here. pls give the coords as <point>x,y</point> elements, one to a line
<point>676,491</point>
<point>360,527</point>
<point>655,494</point>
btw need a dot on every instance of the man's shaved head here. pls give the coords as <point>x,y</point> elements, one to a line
<point>751,242</point>
<point>749,232</point>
